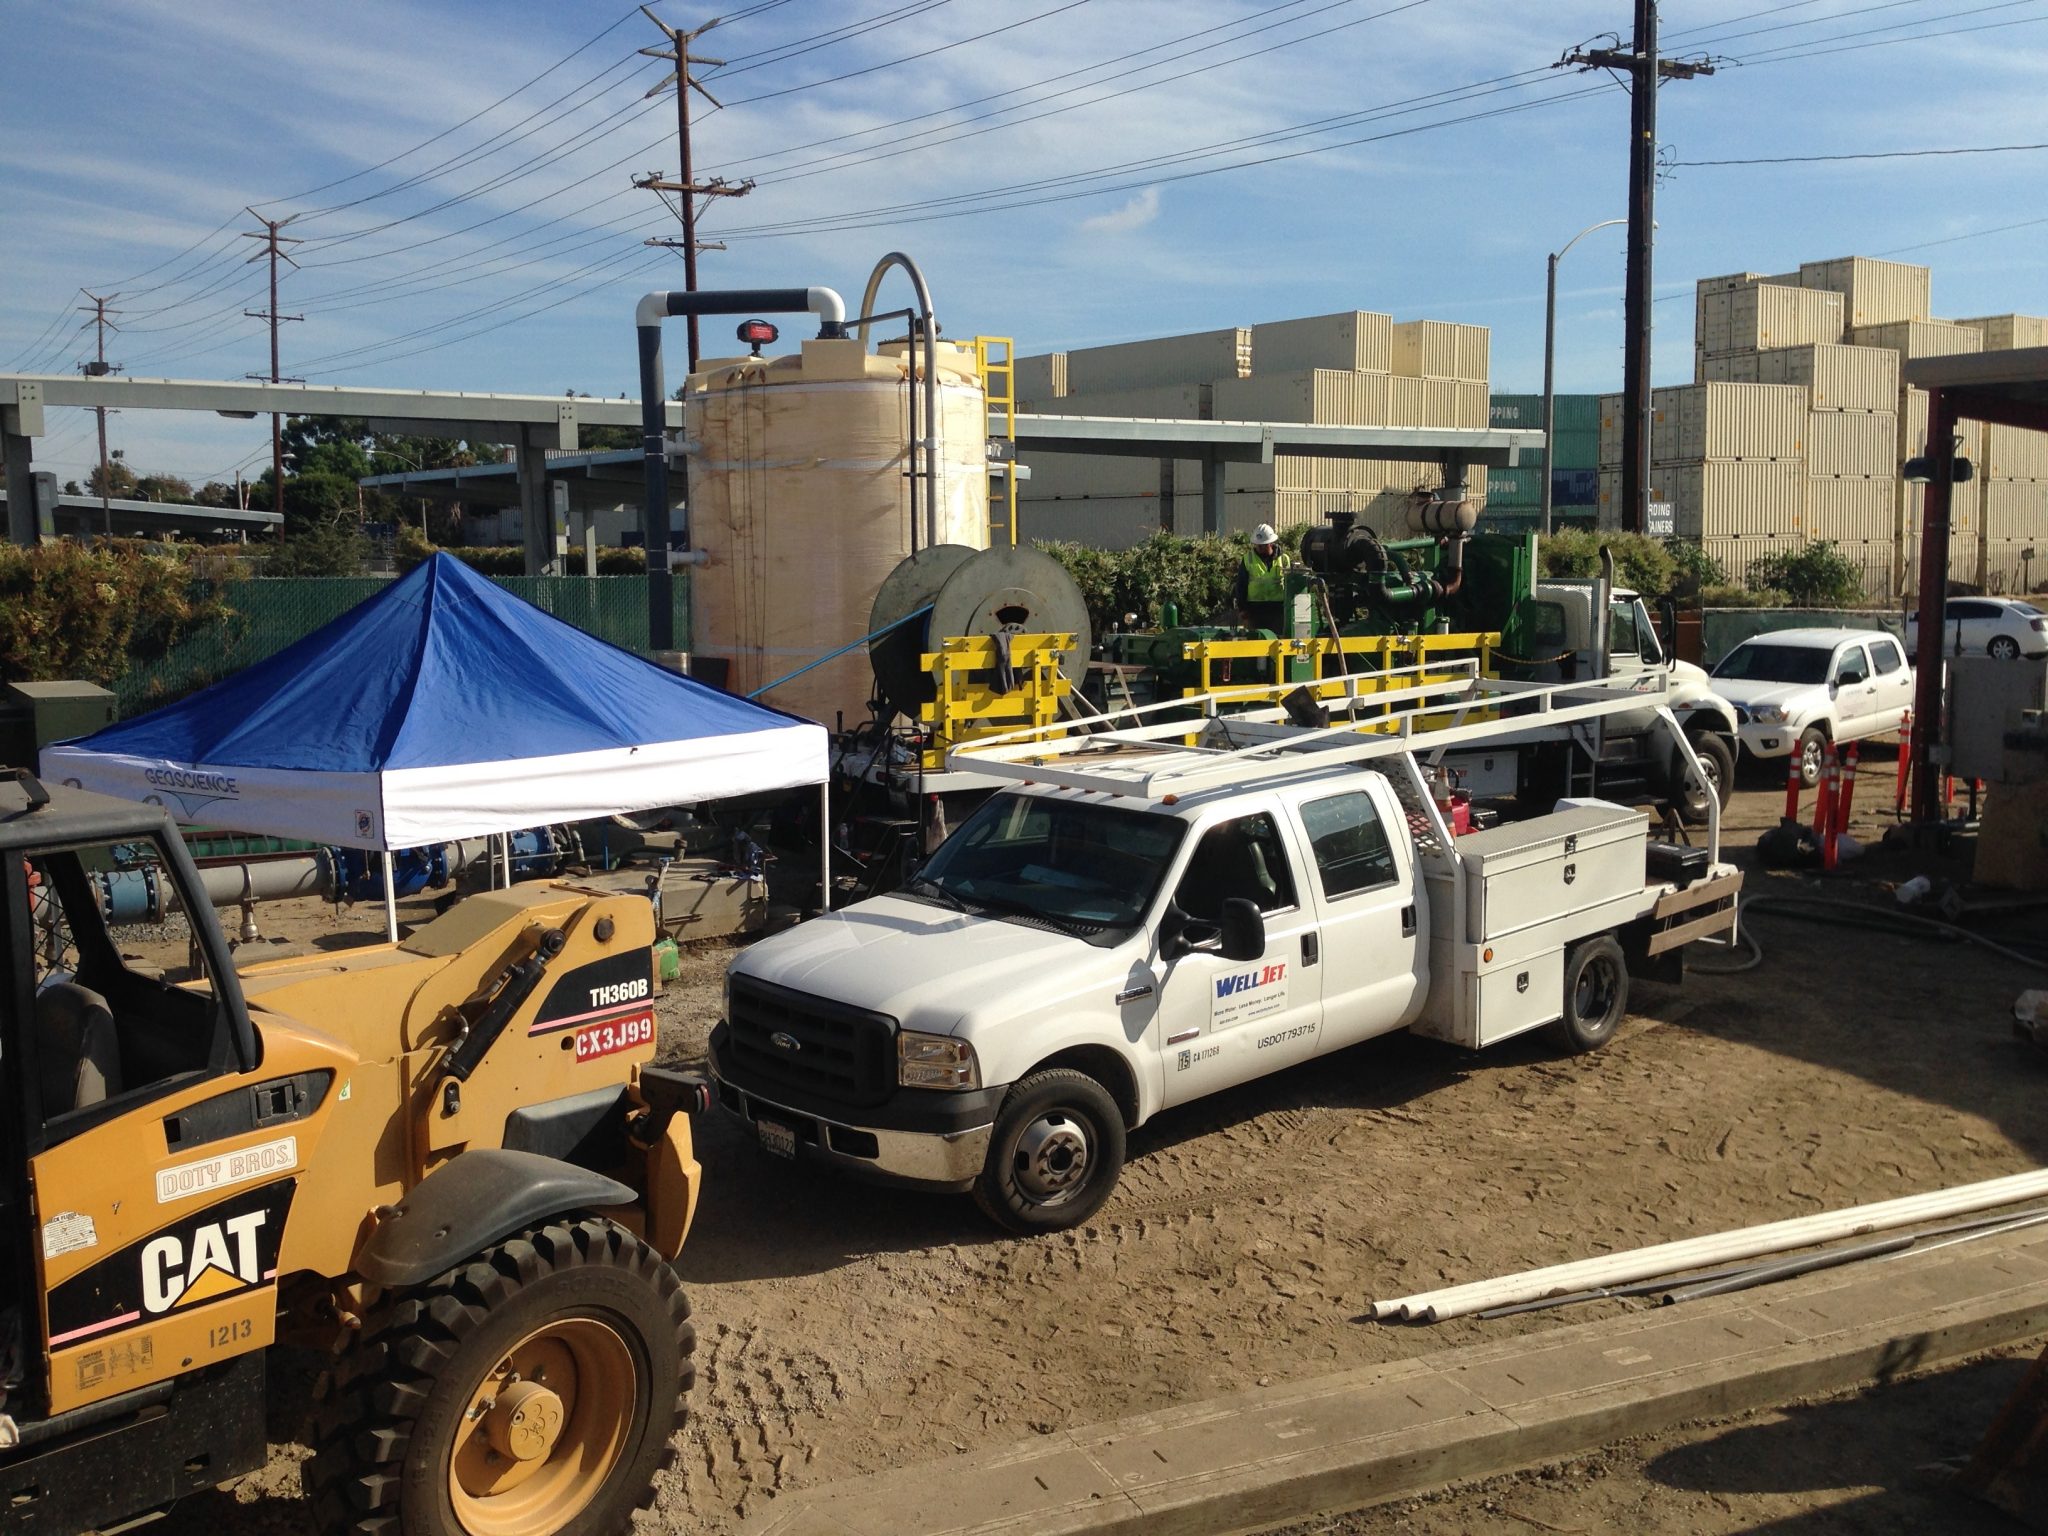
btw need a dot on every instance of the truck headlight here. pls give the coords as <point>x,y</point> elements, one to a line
<point>1768,714</point>
<point>935,1061</point>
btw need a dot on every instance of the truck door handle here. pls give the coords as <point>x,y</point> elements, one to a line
<point>1408,921</point>
<point>1311,950</point>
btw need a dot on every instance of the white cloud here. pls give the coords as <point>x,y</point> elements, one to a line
<point>1131,217</point>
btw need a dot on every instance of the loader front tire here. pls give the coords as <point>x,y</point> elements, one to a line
<point>533,1389</point>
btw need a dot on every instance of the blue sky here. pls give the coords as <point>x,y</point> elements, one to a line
<point>494,237</point>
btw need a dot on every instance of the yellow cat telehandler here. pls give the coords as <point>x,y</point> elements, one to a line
<point>448,1163</point>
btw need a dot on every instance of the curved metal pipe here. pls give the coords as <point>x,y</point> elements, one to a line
<point>929,324</point>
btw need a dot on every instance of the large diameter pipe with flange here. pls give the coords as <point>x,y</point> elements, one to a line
<point>652,309</point>
<point>1721,1247</point>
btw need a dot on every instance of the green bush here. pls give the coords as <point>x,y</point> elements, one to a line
<point>1642,564</point>
<point>331,546</point>
<point>1195,575</point>
<point>510,560</point>
<point>1817,576</point>
<point>1725,595</point>
<point>92,611</point>
<point>1697,571</point>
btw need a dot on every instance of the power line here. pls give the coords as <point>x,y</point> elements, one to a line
<point>1647,70</point>
<point>686,186</point>
<point>370,170</point>
<point>273,248</point>
<point>834,163</point>
<point>1887,154</point>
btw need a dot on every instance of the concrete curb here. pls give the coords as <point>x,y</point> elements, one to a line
<point>1389,1431</point>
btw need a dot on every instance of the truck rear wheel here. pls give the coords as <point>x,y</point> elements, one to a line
<point>1053,1158</point>
<point>533,1389</point>
<point>1595,993</point>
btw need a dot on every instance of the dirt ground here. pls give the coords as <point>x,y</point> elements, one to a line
<point>847,1329</point>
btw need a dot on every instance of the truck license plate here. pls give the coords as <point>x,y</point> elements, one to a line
<point>777,1137</point>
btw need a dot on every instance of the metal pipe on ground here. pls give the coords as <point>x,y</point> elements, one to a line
<point>1721,1247</point>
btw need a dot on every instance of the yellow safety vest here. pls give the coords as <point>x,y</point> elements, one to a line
<point>1265,582</point>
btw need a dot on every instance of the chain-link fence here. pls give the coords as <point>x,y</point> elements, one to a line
<point>1722,629</point>
<point>266,615</point>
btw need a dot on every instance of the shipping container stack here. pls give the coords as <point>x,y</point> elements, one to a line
<point>1356,368</point>
<point>1514,497</point>
<point>2012,476</point>
<point>1839,332</point>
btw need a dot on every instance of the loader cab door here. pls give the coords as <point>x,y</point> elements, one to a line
<point>155,1200</point>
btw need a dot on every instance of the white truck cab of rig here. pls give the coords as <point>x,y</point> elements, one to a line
<point>1153,911</point>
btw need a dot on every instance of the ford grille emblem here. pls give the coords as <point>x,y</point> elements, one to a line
<point>782,1040</point>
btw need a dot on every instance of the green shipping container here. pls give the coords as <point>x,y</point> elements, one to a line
<point>1575,413</point>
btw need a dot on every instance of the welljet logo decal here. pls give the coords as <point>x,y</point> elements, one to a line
<point>1242,996</point>
<point>1250,981</point>
<point>193,788</point>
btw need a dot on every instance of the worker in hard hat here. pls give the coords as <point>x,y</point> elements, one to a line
<point>1260,591</point>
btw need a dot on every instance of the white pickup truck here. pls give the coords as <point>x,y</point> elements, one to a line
<point>1138,922</point>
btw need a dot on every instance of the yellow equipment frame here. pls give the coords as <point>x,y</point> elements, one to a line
<point>967,706</point>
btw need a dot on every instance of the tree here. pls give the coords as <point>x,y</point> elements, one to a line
<point>71,488</point>
<point>216,493</point>
<point>118,479</point>
<point>164,488</point>
<point>331,546</point>
<point>317,497</point>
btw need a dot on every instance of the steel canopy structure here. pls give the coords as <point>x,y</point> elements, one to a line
<point>533,424</point>
<point>83,516</point>
<point>2007,389</point>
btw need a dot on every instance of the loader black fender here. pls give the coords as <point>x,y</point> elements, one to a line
<point>474,1200</point>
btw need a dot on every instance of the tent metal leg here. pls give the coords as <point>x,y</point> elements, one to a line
<point>390,900</point>
<point>825,847</point>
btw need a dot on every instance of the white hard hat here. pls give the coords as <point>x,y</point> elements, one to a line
<point>1264,534</point>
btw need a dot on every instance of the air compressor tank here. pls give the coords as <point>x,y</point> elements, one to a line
<point>800,503</point>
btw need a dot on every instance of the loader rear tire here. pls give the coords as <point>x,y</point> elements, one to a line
<point>534,1388</point>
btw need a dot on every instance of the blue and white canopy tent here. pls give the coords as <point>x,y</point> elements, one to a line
<point>442,708</point>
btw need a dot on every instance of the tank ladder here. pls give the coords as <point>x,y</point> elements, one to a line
<point>999,389</point>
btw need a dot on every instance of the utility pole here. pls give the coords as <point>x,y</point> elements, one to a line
<point>1645,72</point>
<point>99,367</point>
<point>685,186</point>
<point>273,248</point>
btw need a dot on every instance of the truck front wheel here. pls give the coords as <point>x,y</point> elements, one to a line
<point>1054,1155</point>
<point>1717,757</point>
<point>1595,993</point>
<point>533,1389</point>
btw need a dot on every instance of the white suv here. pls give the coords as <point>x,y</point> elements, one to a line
<point>1799,689</point>
<point>1998,626</point>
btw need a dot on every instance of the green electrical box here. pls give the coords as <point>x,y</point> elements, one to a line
<point>32,715</point>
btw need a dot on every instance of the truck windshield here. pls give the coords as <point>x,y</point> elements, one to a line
<point>1085,869</point>
<point>1753,662</point>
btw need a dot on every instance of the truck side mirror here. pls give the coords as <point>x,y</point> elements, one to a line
<point>1244,930</point>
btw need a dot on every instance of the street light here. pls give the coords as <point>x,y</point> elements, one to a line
<point>1550,364</point>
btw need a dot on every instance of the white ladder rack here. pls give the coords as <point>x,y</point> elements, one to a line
<point>1152,759</point>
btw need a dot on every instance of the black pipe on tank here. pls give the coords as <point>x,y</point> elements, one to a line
<point>648,315</point>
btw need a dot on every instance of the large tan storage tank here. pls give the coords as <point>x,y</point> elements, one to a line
<point>801,505</point>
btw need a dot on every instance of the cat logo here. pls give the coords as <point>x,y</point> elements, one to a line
<point>224,1256</point>
<point>224,1250</point>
